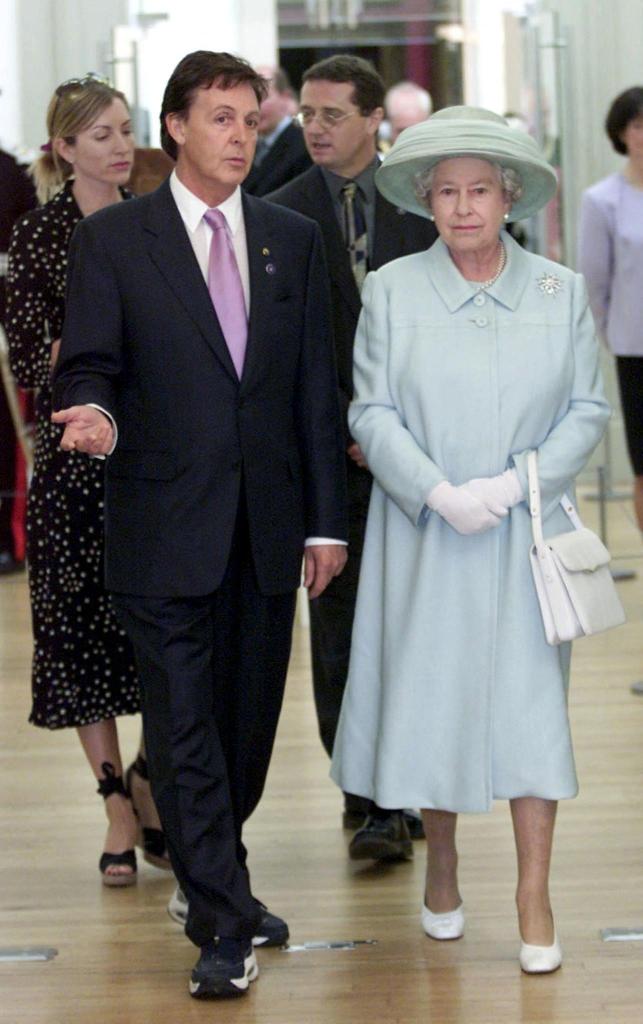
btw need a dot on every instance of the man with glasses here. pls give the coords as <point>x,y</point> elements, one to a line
<point>341,108</point>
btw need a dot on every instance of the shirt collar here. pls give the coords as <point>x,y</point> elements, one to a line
<point>365,181</point>
<point>455,290</point>
<point>192,208</point>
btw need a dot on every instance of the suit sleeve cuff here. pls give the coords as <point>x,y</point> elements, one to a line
<point>312,542</point>
<point>111,419</point>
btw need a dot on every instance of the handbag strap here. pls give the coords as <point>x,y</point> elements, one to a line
<point>534,502</point>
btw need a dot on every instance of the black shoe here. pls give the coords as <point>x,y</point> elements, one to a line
<point>9,564</point>
<point>272,930</point>
<point>224,970</point>
<point>356,809</point>
<point>414,823</point>
<point>382,838</point>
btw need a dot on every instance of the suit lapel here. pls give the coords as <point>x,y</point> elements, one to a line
<point>389,232</point>
<point>263,264</point>
<point>320,208</point>
<point>170,250</point>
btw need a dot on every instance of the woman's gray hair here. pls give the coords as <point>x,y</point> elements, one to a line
<point>510,181</point>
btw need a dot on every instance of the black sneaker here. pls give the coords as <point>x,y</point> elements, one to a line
<point>382,838</point>
<point>272,930</point>
<point>224,970</point>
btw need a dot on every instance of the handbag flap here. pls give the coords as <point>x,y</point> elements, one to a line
<point>579,550</point>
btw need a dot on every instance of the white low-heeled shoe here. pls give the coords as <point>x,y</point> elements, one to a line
<point>443,926</point>
<point>541,959</point>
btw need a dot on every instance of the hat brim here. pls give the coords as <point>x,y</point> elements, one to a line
<point>425,145</point>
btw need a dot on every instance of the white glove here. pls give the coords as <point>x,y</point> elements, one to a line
<point>462,510</point>
<point>498,493</point>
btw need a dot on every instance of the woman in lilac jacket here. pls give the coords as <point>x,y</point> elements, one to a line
<point>611,258</point>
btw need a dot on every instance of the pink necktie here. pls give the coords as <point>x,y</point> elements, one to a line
<point>226,290</point>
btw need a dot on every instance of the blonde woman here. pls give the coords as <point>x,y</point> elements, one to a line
<point>83,670</point>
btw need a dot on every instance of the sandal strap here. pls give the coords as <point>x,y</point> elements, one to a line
<point>125,859</point>
<point>140,767</point>
<point>111,783</point>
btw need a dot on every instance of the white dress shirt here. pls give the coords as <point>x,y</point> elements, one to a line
<point>192,210</point>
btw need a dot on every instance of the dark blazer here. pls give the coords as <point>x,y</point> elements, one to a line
<point>397,233</point>
<point>142,340</point>
<point>286,158</point>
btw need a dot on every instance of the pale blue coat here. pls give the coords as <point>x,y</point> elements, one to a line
<point>454,697</point>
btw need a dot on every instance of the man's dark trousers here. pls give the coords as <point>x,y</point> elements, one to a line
<point>212,673</point>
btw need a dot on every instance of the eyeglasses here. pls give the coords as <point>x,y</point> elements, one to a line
<point>326,119</point>
<point>91,78</point>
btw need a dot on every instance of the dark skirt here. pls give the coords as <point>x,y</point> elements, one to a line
<point>83,665</point>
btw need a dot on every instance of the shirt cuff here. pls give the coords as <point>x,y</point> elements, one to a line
<point>92,405</point>
<point>313,542</point>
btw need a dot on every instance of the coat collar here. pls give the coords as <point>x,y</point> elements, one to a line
<point>455,291</point>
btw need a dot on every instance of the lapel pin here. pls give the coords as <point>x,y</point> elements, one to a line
<point>265,251</point>
<point>271,268</point>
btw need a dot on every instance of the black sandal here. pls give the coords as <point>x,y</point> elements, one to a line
<point>151,840</point>
<point>113,783</point>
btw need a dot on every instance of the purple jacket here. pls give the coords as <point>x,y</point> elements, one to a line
<point>610,255</point>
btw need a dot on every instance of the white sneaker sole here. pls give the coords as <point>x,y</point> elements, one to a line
<point>223,988</point>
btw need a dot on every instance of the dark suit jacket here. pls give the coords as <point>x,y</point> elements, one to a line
<point>286,158</point>
<point>397,233</point>
<point>142,340</point>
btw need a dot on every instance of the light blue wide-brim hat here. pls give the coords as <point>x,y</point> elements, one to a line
<point>465,131</point>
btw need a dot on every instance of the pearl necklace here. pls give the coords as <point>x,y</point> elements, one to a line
<point>502,259</point>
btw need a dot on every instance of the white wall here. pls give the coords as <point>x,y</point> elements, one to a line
<point>244,27</point>
<point>44,42</point>
<point>485,56</point>
<point>602,57</point>
<point>10,94</point>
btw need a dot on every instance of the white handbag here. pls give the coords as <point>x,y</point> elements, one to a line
<point>574,585</point>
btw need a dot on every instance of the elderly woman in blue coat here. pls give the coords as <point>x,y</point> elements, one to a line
<point>467,357</point>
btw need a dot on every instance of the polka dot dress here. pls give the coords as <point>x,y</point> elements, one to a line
<point>83,668</point>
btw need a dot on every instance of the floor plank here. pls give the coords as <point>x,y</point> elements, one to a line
<point>122,959</point>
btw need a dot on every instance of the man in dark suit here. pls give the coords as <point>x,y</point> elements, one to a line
<point>341,109</point>
<point>228,461</point>
<point>281,152</point>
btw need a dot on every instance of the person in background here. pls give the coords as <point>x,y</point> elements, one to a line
<point>281,152</point>
<point>212,359</point>
<point>341,112</point>
<point>467,357</point>
<point>610,255</point>
<point>405,104</point>
<point>17,195</point>
<point>83,673</point>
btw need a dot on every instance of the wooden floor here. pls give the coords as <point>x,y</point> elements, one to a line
<point>121,959</point>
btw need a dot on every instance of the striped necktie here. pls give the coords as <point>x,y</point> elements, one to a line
<point>355,232</point>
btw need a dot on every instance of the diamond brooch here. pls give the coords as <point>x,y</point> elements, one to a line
<point>549,284</point>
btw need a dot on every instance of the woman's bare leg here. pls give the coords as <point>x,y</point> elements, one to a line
<point>100,743</point>
<point>533,822</point>
<point>442,893</point>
